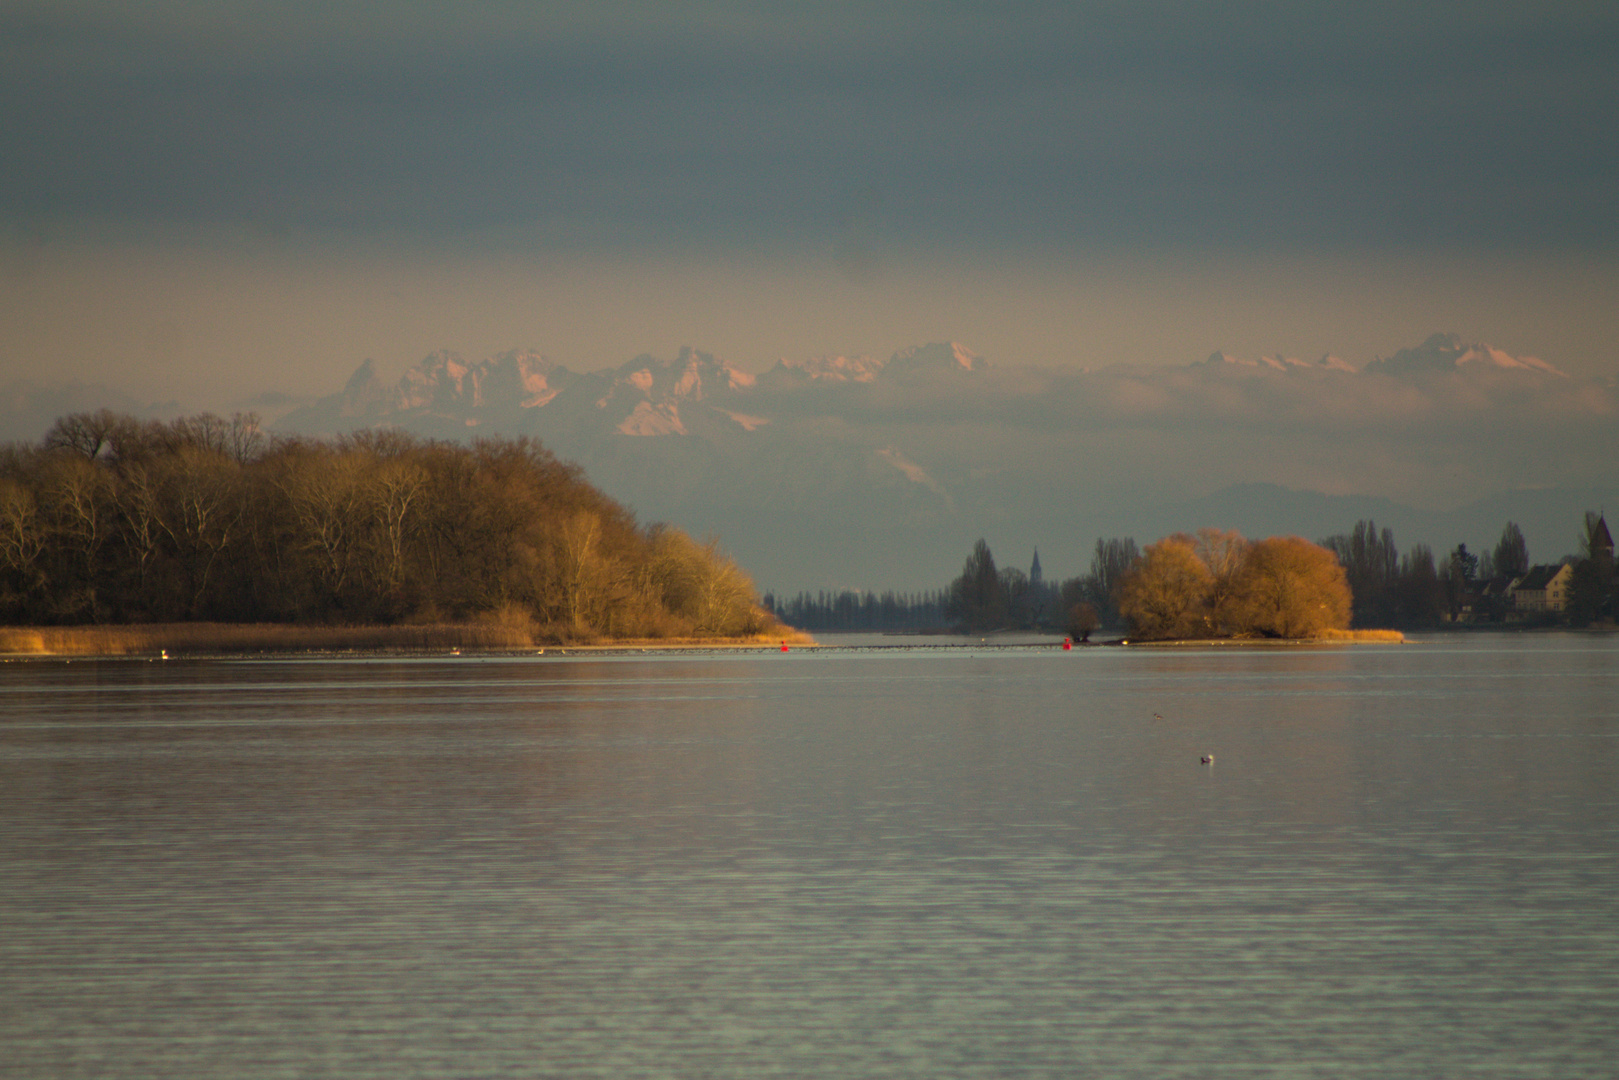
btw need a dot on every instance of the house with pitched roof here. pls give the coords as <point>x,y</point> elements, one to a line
<point>1543,588</point>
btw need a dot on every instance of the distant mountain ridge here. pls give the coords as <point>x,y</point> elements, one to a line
<point>856,471</point>
<point>645,396</point>
<point>648,396</point>
<point>1445,353</point>
<point>860,471</point>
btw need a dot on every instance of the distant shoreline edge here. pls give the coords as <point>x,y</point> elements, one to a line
<point>1334,637</point>
<point>235,639</point>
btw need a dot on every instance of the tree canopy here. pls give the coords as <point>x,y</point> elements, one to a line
<point>1281,587</point>
<point>1166,593</point>
<point>112,519</point>
<point>978,599</point>
<point>1288,587</point>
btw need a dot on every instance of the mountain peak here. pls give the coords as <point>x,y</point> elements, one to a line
<point>364,393</point>
<point>826,369</point>
<point>1278,362</point>
<point>937,356</point>
<point>1447,352</point>
<point>364,376</point>
<point>691,375</point>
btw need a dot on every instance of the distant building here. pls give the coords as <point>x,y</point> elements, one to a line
<point>1543,588</point>
<point>1040,594</point>
<point>1489,600</point>
<point>1602,541</point>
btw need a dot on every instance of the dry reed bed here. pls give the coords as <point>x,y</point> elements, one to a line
<point>1393,636</point>
<point>1320,637</point>
<point>195,638</point>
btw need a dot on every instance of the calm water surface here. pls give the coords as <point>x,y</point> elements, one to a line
<point>928,862</point>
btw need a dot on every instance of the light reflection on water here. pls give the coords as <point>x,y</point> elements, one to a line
<point>975,861</point>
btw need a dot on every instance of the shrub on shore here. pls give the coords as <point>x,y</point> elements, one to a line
<point>213,638</point>
<point>1389,636</point>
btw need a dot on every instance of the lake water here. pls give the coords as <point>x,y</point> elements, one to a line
<point>863,862</point>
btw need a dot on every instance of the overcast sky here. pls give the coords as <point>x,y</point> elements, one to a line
<point>201,200</point>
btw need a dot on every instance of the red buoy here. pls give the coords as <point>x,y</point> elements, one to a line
<point>784,646</point>
<point>1067,643</point>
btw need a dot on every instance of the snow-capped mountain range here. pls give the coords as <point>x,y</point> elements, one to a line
<point>862,471</point>
<point>695,392</point>
<point>643,397</point>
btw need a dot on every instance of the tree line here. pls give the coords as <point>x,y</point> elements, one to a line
<point>1211,584</point>
<point>986,597</point>
<point>848,609</point>
<point>112,519</point>
<point>1414,589</point>
<point>1216,583</point>
<point>1420,589</point>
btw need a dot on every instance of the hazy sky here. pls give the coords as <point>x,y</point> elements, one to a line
<point>201,200</point>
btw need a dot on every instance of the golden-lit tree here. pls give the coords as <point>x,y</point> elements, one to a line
<point>1165,594</point>
<point>74,496</point>
<point>584,572</point>
<point>1288,587</point>
<point>725,596</point>
<point>1281,587</point>
<point>393,493</point>
<point>22,540</point>
<point>698,583</point>
<point>205,518</point>
<point>202,507</point>
<point>322,489</point>
<point>140,510</point>
<point>1223,552</point>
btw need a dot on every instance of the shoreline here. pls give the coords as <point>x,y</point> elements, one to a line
<point>279,639</point>
<point>490,639</point>
<point>1328,637</point>
<point>495,639</point>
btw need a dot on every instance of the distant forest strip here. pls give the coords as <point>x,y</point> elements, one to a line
<point>850,610</point>
<point>1216,583</point>
<point>114,520</point>
<point>204,638</point>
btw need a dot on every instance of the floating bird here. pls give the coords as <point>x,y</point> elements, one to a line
<point>1208,759</point>
<point>1157,716</point>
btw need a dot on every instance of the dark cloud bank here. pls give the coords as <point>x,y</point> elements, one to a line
<point>1477,125</point>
